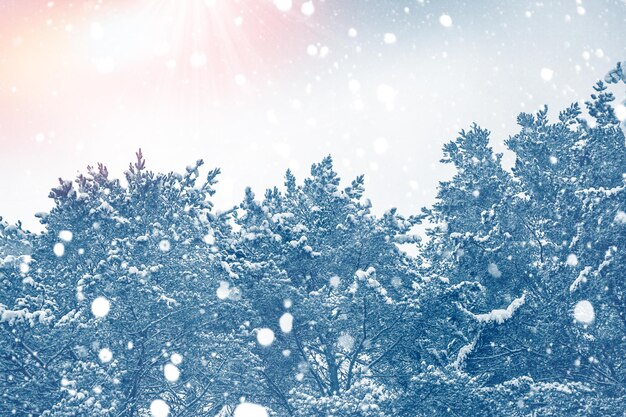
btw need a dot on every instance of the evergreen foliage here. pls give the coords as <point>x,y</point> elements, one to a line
<point>304,302</point>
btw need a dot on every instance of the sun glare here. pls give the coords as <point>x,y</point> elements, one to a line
<point>219,42</point>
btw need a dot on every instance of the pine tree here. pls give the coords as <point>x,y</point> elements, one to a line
<point>552,310</point>
<point>132,269</point>
<point>139,294</point>
<point>316,261</point>
<point>26,311</point>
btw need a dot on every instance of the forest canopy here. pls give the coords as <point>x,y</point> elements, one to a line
<point>140,299</point>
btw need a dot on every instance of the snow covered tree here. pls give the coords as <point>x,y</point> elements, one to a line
<point>25,315</point>
<point>134,273</point>
<point>139,299</point>
<point>549,306</point>
<point>472,218</point>
<point>326,277</point>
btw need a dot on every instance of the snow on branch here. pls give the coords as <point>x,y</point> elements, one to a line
<point>582,277</point>
<point>464,353</point>
<point>500,315</point>
<point>23,315</point>
<point>608,192</point>
<point>587,271</point>
<point>617,74</point>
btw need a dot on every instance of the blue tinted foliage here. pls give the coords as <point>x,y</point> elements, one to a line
<point>140,299</point>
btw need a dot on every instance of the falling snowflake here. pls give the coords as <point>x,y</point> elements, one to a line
<point>100,307</point>
<point>164,245</point>
<point>59,249</point>
<point>171,372</point>
<point>308,8</point>
<point>105,355</point>
<point>286,322</point>
<point>445,20</point>
<point>250,410</point>
<point>159,408</point>
<point>66,235</point>
<point>283,5</point>
<point>584,312</point>
<point>176,358</point>
<point>265,337</point>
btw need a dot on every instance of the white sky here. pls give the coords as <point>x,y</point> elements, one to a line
<point>379,108</point>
